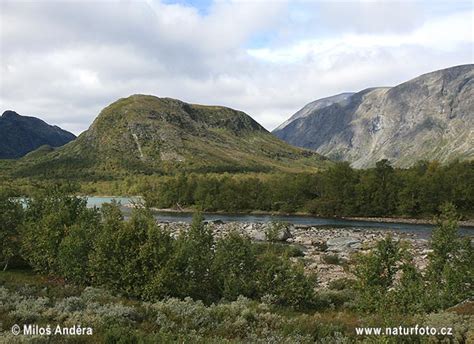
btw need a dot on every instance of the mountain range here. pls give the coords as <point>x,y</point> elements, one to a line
<point>144,134</point>
<point>430,117</point>
<point>20,135</point>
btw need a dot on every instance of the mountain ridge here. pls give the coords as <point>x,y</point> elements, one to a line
<point>145,134</point>
<point>315,105</point>
<point>429,117</point>
<point>21,135</point>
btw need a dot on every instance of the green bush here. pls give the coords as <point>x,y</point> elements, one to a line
<point>234,266</point>
<point>332,259</point>
<point>188,272</point>
<point>451,263</point>
<point>375,273</point>
<point>11,218</point>
<point>293,251</point>
<point>342,284</point>
<point>275,230</point>
<point>409,295</point>
<point>48,219</point>
<point>75,248</point>
<point>128,255</point>
<point>285,280</point>
<point>105,259</point>
<point>333,299</point>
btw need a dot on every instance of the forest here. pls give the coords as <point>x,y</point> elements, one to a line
<point>340,190</point>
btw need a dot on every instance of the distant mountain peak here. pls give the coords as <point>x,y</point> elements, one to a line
<point>430,117</point>
<point>20,135</point>
<point>315,105</point>
<point>10,114</point>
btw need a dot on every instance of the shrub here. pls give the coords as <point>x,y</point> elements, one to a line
<point>188,272</point>
<point>409,295</point>
<point>11,218</point>
<point>105,259</point>
<point>121,335</point>
<point>375,273</point>
<point>293,251</point>
<point>451,264</point>
<point>234,266</point>
<point>91,294</point>
<point>71,304</point>
<point>461,325</point>
<point>276,231</point>
<point>29,310</point>
<point>333,299</point>
<point>285,280</point>
<point>75,248</point>
<point>342,284</point>
<point>332,259</point>
<point>48,219</point>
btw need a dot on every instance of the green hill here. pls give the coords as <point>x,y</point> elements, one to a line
<point>149,135</point>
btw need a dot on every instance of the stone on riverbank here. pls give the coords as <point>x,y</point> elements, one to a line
<point>343,244</point>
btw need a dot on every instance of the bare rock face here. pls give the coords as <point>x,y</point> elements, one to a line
<point>316,105</point>
<point>428,118</point>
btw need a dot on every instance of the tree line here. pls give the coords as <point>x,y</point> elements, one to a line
<point>418,191</point>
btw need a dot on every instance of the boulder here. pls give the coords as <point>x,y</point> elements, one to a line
<point>257,235</point>
<point>320,245</point>
<point>217,222</point>
<point>277,233</point>
<point>342,244</point>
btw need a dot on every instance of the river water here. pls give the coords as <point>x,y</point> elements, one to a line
<point>421,230</point>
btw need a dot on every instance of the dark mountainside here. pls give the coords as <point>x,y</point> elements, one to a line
<point>430,117</point>
<point>20,135</point>
<point>147,135</point>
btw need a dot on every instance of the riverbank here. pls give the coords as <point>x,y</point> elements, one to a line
<point>466,223</point>
<point>326,252</point>
<point>401,220</point>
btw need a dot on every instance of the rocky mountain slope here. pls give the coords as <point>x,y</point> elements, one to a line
<point>20,135</point>
<point>428,118</point>
<point>146,134</point>
<point>308,109</point>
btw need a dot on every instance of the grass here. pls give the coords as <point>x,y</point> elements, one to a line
<point>13,278</point>
<point>26,295</point>
<point>332,259</point>
<point>41,285</point>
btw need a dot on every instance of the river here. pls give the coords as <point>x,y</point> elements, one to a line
<point>421,230</point>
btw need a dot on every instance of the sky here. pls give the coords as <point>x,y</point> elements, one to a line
<point>64,61</point>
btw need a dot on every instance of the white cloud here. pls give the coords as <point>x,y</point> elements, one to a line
<point>64,61</point>
<point>443,34</point>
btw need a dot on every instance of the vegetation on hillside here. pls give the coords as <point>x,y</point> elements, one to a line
<point>144,135</point>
